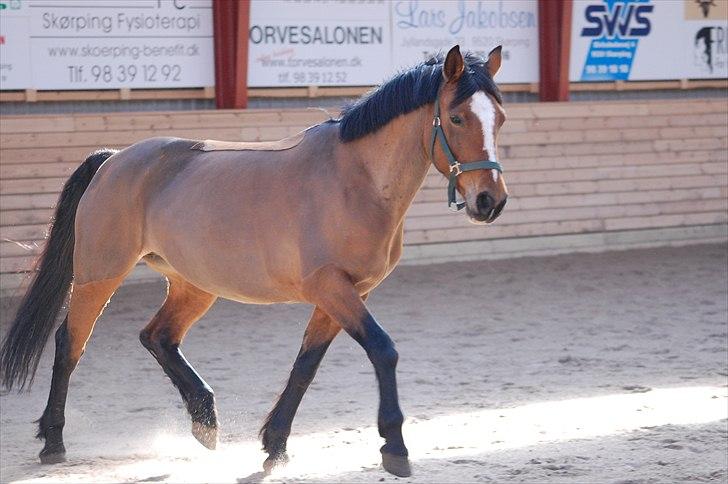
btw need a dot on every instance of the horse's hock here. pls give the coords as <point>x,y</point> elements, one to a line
<point>582,176</point>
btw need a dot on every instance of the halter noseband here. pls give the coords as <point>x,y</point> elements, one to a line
<point>456,168</point>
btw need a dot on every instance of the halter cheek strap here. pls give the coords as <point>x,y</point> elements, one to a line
<point>456,168</point>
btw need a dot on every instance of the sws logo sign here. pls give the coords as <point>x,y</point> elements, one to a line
<point>615,27</point>
<point>625,20</point>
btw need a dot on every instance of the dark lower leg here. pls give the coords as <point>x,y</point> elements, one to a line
<point>277,426</point>
<point>383,355</point>
<point>320,332</point>
<point>334,292</point>
<point>50,425</point>
<point>195,392</point>
<point>87,302</point>
<point>381,352</point>
<point>185,304</point>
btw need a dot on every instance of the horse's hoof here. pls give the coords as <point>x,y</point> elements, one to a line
<point>54,455</point>
<point>206,435</point>
<point>396,464</point>
<point>275,461</point>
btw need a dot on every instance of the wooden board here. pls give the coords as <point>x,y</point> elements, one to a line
<point>571,168</point>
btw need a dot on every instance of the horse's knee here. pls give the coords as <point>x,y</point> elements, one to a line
<point>62,335</point>
<point>145,338</point>
<point>63,344</point>
<point>155,342</point>
<point>385,356</point>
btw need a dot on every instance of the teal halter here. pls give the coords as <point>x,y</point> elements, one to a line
<point>456,168</point>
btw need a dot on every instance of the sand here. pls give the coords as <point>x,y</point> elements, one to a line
<point>581,368</point>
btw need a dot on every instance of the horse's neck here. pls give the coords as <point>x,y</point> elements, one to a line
<point>396,159</point>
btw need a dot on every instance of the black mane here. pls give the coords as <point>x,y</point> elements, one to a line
<point>410,90</point>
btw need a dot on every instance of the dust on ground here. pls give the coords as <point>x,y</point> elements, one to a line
<point>579,368</point>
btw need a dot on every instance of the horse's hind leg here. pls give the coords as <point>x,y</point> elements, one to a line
<point>319,334</point>
<point>185,304</point>
<point>87,303</point>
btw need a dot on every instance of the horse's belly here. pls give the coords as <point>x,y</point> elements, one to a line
<point>252,291</point>
<point>230,279</point>
<point>256,297</point>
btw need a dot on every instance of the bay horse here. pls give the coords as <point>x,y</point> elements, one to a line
<point>316,219</point>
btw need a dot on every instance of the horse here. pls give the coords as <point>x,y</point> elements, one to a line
<point>316,218</point>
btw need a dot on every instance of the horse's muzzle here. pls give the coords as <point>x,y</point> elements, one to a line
<point>487,210</point>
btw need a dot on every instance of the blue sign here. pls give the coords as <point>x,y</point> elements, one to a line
<point>615,27</point>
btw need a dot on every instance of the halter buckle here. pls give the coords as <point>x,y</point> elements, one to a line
<point>436,121</point>
<point>456,168</point>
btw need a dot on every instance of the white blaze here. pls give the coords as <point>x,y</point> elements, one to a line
<point>482,106</point>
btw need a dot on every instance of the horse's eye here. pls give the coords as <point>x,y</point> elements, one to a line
<point>456,120</point>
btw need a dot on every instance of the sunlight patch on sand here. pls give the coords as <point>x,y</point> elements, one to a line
<point>178,458</point>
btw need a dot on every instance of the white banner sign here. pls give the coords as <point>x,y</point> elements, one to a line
<point>423,28</point>
<point>649,40</point>
<point>363,42</point>
<point>106,44</point>
<point>301,43</point>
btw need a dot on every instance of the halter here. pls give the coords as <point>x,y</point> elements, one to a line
<point>456,168</point>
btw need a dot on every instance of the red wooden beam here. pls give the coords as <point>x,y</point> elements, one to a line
<point>554,36</point>
<point>240,99</point>
<point>231,20</point>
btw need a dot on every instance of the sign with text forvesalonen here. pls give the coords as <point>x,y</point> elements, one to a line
<point>363,42</point>
<point>293,42</point>
<point>105,44</point>
<point>649,40</point>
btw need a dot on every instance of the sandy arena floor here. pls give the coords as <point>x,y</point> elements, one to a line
<point>581,368</point>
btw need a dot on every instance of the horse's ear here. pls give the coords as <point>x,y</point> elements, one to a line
<point>454,65</point>
<point>494,61</point>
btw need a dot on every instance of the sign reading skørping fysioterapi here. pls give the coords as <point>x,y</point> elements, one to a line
<point>105,44</point>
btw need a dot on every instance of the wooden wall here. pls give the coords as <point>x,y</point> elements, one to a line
<point>572,168</point>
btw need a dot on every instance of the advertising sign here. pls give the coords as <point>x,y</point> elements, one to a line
<point>318,43</point>
<point>648,40</point>
<point>106,44</point>
<point>420,29</point>
<point>363,42</point>
<point>14,46</point>
<point>111,44</point>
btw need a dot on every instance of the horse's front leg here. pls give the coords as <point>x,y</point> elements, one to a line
<point>332,291</point>
<point>320,331</point>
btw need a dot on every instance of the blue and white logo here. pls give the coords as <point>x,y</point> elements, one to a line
<point>615,27</point>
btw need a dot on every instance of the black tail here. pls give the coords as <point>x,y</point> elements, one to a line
<point>44,299</point>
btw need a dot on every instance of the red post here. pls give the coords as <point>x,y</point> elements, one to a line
<point>231,19</point>
<point>554,36</point>
<point>240,99</point>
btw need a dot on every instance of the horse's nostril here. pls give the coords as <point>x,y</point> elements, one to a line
<point>499,208</point>
<point>485,202</point>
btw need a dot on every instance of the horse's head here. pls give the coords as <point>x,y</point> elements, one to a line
<point>464,140</point>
